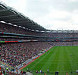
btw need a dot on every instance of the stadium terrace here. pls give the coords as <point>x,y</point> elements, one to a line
<point>28,48</point>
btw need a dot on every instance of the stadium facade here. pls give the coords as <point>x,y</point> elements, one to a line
<point>21,39</point>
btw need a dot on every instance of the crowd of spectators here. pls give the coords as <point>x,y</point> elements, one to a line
<point>7,72</point>
<point>61,35</point>
<point>14,29</point>
<point>64,43</point>
<point>18,30</point>
<point>12,39</point>
<point>17,53</point>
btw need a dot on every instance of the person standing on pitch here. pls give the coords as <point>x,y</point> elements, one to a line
<point>76,72</point>
<point>56,73</point>
<point>40,71</point>
<point>47,70</point>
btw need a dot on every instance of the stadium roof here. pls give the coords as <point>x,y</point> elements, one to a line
<point>11,16</point>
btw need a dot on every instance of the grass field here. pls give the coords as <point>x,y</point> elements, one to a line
<point>60,58</point>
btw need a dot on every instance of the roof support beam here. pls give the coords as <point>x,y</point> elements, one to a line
<point>8,16</point>
<point>18,21</point>
<point>14,20</point>
<point>3,10</point>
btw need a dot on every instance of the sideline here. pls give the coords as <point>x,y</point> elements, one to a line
<point>34,59</point>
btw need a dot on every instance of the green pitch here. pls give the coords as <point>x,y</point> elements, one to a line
<point>60,58</point>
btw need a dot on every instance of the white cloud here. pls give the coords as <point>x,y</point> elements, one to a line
<point>72,0</point>
<point>19,5</point>
<point>53,20</point>
<point>58,14</point>
<point>51,14</point>
<point>74,18</point>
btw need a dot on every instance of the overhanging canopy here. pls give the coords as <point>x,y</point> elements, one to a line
<point>9,15</point>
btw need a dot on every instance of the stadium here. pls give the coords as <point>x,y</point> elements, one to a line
<point>27,48</point>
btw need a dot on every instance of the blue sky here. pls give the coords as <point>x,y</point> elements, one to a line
<point>51,14</point>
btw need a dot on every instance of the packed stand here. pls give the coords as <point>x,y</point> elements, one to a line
<point>14,29</point>
<point>12,39</point>
<point>64,43</point>
<point>18,30</point>
<point>17,53</point>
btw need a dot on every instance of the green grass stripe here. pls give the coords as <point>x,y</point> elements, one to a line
<point>60,58</point>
